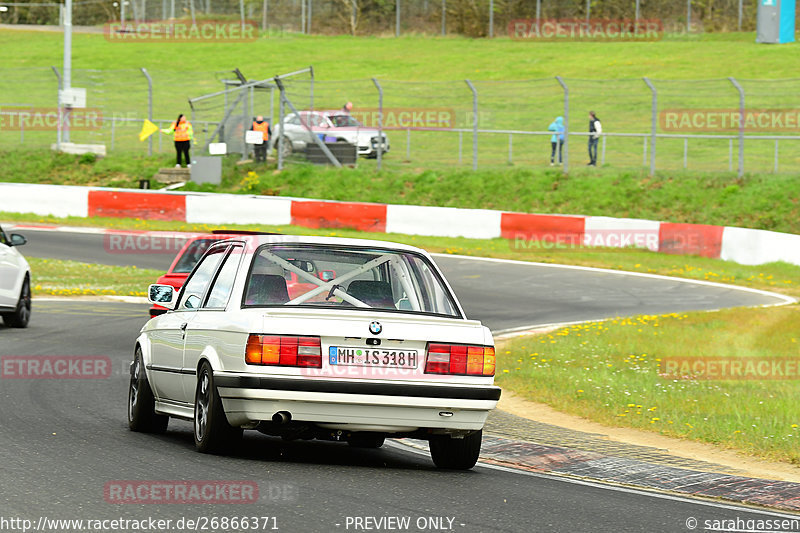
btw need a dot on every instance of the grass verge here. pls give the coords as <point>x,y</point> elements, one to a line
<point>609,372</point>
<point>770,202</point>
<point>73,278</point>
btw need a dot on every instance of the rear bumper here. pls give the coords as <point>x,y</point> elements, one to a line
<point>347,405</point>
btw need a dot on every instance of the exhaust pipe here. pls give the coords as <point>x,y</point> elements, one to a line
<point>281,417</point>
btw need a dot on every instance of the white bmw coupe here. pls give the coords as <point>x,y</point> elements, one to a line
<point>316,337</point>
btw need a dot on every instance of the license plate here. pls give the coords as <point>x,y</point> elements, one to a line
<point>347,356</point>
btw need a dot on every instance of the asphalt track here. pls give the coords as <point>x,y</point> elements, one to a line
<point>63,440</point>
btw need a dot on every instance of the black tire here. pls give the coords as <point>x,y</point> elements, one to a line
<point>22,314</point>
<point>212,433</point>
<point>456,454</point>
<point>366,440</point>
<point>141,404</point>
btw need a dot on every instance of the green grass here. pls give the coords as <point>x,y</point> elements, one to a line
<point>609,372</point>
<point>755,201</point>
<point>778,277</point>
<point>427,73</point>
<point>74,278</point>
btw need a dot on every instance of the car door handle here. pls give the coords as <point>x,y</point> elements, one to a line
<point>183,329</point>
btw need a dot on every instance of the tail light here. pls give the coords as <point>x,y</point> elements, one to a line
<point>283,350</point>
<point>460,359</point>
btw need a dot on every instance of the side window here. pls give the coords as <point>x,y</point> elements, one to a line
<point>198,282</point>
<point>221,289</point>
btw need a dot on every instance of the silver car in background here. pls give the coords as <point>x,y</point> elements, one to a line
<point>331,126</point>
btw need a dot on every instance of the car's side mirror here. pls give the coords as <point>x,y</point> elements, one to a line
<point>17,239</point>
<point>163,295</point>
<point>327,275</point>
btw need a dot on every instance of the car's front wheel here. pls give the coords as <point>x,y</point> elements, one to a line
<point>212,433</point>
<point>141,404</point>
<point>22,313</point>
<point>456,454</point>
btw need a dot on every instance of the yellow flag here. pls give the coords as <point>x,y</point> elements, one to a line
<point>148,128</point>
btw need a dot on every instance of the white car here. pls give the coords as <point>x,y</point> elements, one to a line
<point>335,126</point>
<point>316,337</point>
<point>15,282</point>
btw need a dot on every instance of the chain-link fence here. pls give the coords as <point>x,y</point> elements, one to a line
<point>708,125</point>
<point>477,18</point>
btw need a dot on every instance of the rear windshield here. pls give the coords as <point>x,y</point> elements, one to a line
<point>339,277</point>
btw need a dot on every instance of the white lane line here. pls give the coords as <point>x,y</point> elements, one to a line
<point>652,493</point>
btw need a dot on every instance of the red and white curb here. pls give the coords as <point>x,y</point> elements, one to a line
<point>524,230</point>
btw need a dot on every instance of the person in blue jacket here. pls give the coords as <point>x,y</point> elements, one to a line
<point>557,139</point>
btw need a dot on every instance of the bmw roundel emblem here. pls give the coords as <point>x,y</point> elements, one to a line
<point>375,327</point>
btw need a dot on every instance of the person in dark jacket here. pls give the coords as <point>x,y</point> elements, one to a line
<point>595,130</point>
<point>557,139</point>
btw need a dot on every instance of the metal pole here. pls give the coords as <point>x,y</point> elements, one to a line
<point>510,148</point>
<point>264,12</point>
<point>113,124</point>
<point>730,154</point>
<point>311,71</point>
<point>444,17</point>
<point>66,84</point>
<point>740,27</point>
<point>408,144</point>
<point>380,122</point>
<point>491,18</point>
<point>474,124</point>
<point>280,121</point>
<point>122,13</point>
<point>241,14</point>
<point>686,152</point>
<point>644,151</point>
<point>58,125</point>
<point>149,107</point>
<point>776,155</point>
<point>191,8</point>
<point>308,18</point>
<point>460,145</point>
<point>561,82</point>
<point>172,16</point>
<point>397,18</point>
<point>244,124</point>
<point>603,157</point>
<point>741,124</point>
<point>688,17</point>
<point>588,10</point>
<point>538,11</point>
<point>637,10</point>
<point>653,126</point>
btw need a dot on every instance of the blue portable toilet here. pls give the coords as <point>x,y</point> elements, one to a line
<point>775,23</point>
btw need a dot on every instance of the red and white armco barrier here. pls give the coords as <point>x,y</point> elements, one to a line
<point>745,246</point>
